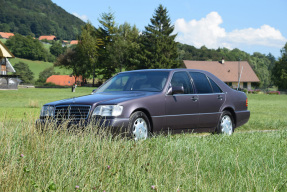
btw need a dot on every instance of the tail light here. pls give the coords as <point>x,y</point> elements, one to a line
<point>246,102</point>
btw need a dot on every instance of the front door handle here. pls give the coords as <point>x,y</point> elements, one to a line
<point>194,98</point>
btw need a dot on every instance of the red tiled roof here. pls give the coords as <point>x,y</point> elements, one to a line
<point>227,72</point>
<point>74,42</point>
<point>63,80</point>
<point>6,35</point>
<point>48,37</point>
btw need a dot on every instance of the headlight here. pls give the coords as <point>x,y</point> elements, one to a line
<point>47,111</point>
<point>108,110</point>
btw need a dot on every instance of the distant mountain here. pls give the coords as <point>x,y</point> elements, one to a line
<point>38,17</point>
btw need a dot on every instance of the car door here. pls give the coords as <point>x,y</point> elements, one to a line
<point>211,98</point>
<point>182,109</point>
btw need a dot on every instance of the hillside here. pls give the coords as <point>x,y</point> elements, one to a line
<point>38,17</point>
<point>38,66</point>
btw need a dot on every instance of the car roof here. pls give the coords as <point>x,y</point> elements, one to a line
<point>167,70</point>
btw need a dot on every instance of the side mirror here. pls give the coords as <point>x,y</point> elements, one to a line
<point>94,90</point>
<point>175,90</point>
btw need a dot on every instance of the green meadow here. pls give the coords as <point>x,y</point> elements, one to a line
<point>252,159</point>
<point>38,66</point>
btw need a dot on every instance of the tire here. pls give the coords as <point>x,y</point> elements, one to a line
<point>139,126</point>
<point>225,124</point>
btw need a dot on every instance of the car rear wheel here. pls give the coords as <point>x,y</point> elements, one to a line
<point>139,126</point>
<point>225,125</point>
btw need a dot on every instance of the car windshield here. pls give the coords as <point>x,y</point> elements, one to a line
<point>152,81</point>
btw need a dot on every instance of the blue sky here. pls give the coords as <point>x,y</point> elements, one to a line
<point>250,25</point>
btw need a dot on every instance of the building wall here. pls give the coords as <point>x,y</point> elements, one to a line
<point>243,85</point>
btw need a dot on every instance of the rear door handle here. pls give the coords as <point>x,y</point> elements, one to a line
<point>219,97</point>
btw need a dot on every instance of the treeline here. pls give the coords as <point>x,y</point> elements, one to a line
<point>38,17</point>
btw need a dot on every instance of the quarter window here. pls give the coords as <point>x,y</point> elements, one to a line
<point>201,82</point>
<point>215,87</point>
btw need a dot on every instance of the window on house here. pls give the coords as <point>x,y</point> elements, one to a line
<point>245,85</point>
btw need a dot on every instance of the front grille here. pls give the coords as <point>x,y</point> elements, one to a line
<point>73,112</point>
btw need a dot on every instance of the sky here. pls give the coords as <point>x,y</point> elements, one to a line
<point>249,25</point>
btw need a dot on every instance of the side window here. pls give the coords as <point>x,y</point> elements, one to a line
<point>182,79</point>
<point>215,87</point>
<point>201,82</point>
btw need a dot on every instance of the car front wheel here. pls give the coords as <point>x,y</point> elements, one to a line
<point>225,125</point>
<point>139,126</point>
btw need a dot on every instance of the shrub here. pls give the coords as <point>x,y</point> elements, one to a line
<point>273,92</point>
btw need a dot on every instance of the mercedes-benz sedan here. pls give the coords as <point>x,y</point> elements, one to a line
<point>141,102</point>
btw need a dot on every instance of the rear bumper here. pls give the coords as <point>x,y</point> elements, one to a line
<point>242,117</point>
<point>114,123</point>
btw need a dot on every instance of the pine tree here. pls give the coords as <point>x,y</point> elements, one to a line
<point>106,33</point>
<point>159,46</point>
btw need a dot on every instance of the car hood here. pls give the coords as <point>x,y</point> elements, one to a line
<point>111,98</point>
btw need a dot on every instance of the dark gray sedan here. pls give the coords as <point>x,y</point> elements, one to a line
<point>163,100</point>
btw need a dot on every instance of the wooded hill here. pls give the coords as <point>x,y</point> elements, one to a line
<point>38,17</point>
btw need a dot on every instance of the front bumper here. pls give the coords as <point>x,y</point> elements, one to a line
<point>114,123</point>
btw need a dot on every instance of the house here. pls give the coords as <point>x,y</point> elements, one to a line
<point>74,42</point>
<point>7,81</point>
<point>5,35</point>
<point>64,80</point>
<point>228,71</point>
<point>48,37</point>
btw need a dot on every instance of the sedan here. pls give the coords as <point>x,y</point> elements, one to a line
<point>142,102</point>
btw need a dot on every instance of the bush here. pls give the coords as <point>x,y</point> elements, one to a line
<point>273,92</point>
<point>245,90</point>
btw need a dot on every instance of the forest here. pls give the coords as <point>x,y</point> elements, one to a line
<point>38,17</point>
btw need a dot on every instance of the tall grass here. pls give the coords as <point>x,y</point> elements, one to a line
<point>93,160</point>
<point>90,160</point>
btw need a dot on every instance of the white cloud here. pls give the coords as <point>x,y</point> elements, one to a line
<point>82,17</point>
<point>207,31</point>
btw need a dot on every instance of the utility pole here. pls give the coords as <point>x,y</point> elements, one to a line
<point>238,73</point>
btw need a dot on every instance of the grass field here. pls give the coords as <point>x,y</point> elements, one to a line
<point>38,66</point>
<point>91,161</point>
<point>3,40</point>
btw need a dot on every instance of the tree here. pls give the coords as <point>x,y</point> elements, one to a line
<point>27,47</point>
<point>56,49</point>
<point>123,50</point>
<point>82,58</point>
<point>43,76</point>
<point>69,60</point>
<point>106,34</point>
<point>24,72</point>
<point>160,48</point>
<point>279,71</point>
<point>88,46</point>
<point>260,64</point>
